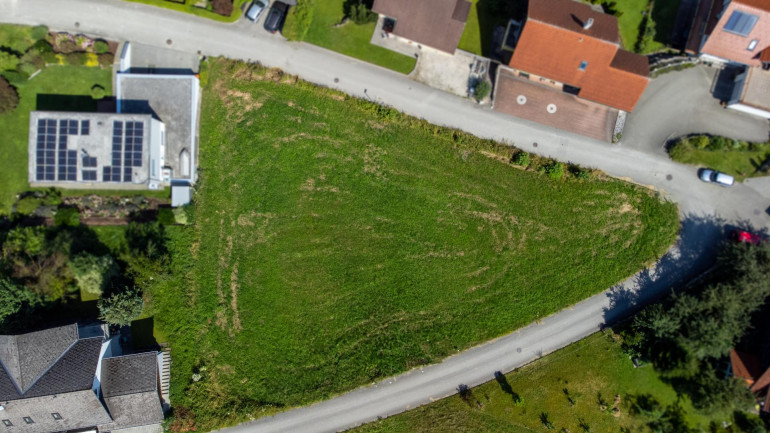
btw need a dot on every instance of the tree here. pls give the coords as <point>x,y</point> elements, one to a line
<point>9,98</point>
<point>14,299</point>
<point>93,273</point>
<point>67,216</point>
<point>97,92</point>
<point>121,307</point>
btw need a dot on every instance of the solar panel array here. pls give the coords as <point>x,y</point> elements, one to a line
<point>59,163</point>
<point>127,144</point>
<point>741,23</point>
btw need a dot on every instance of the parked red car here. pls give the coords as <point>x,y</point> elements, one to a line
<point>742,236</point>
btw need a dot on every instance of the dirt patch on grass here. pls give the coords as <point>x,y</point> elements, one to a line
<point>234,300</point>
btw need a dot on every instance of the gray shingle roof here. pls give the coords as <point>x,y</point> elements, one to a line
<point>132,410</point>
<point>46,362</point>
<point>129,374</point>
<point>81,409</point>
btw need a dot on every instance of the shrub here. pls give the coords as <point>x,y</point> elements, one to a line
<point>166,216</point>
<point>583,174</point>
<point>34,58</point>
<point>92,273</point>
<point>521,159</point>
<point>181,215</point>
<point>717,143</point>
<point>64,45</point>
<point>482,90</point>
<point>27,205</point>
<point>75,59</point>
<point>8,61</point>
<point>42,46</point>
<point>106,59</point>
<point>14,298</point>
<point>222,7</point>
<point>700,142</point>
<point>101,47</point>
<point>97,92</point>
<point>359,11</point>
<point>122,307</point>
<point>9,98</point>
<point>67,216</point>
<point>27,68</point>
<point>555,170</point>
<point>38,32</point>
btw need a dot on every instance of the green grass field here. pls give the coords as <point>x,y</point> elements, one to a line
<point>335,242</point>
<point>350,39</point>
<point>586,372</point>
<point>73,81</point>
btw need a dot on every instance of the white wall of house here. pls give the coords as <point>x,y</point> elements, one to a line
<point>750,110</point>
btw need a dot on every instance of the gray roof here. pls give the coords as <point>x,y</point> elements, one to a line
<point>172,99</point>
<point>129,374</point>
<point>79,410</point>
<point>132,410</point>
<point>52,361</point>
<point>130,390</point>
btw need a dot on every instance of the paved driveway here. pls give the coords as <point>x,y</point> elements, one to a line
<point>680,103</point>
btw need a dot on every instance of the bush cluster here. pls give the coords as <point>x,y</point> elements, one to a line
<point>712,143</point>
<point>298,21</point>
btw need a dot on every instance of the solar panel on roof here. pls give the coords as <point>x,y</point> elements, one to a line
<point>89,175</point>
<point>85,126</point>
<point>127,174</point>
<point>741,23</point>
<point>89,161</point>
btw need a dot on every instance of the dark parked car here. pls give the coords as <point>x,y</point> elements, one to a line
<point>275,16</point>
<point>255,10</point>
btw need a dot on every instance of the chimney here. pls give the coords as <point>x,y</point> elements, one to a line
<point>588,23</point>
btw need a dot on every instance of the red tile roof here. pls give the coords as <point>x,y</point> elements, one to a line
<point>745,366</point>
<point>435,23</point>
<point>762,382</point>
<point>553,44</point>
<point>731,46</point>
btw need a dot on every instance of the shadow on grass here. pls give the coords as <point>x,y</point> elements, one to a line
<point>693,253</point>
<point>506,387</point>
<point>142,334</point>
<point>76,103</point>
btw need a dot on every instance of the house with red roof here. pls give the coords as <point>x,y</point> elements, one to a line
<point>736,33</point>
<point>568,70</point>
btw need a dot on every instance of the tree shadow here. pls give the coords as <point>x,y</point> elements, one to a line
<point>142,334</point>
<point>506,387</point>
<point>692,254</point>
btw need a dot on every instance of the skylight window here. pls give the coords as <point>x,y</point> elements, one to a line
<point>56,415</point>
<point>752,44</point>
<point>741,23</point>
<point>7,423</point>
<point>583,65</point>
<point>28,420</point>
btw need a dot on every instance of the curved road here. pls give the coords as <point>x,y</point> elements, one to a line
<point>705,209</point>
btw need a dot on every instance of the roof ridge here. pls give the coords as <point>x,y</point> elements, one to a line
<point>616,44</point>
<point>48,368</point>
<point>7,372</point>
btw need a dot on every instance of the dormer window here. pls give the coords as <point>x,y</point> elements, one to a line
<point>583,65</point>
<point>752,44</point>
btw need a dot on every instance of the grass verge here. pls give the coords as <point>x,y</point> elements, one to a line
<point>188,7</point>
<point>735,157</point>
<point>74,84</point>
<point>336,242</point>
<point>590,385</point>
<point>317,22</point>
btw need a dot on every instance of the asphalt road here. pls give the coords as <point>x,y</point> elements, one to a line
<point>705,209</point>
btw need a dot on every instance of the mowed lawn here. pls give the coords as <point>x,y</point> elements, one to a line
<point>73,81</point>
<point>350,39</point>
<point>336,243</point>
<point>575,388</point>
